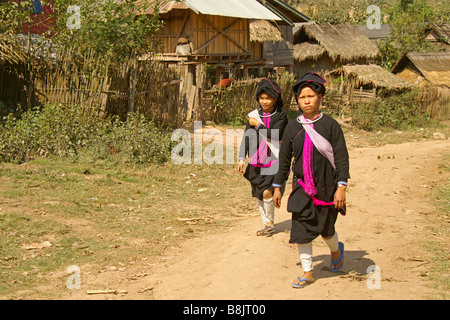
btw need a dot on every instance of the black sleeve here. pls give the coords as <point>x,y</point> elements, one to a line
<point>341,158</point>
<point>243,151</point>
<point>285,157</point>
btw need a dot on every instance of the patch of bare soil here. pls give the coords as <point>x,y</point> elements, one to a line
<point>389,199</point>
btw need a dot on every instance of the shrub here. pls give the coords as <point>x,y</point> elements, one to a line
<point>394,112</point>
<point>140,140</point>
<point>65,131</point>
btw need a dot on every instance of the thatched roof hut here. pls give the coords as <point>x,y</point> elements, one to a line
<point>439,34</point>
<point>431,67</point>
<point>326,46</point>
<point>263,30</point>
<point>430,71</point>
<point>371,75</point>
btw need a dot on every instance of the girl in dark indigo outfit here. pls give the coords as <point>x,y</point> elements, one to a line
<point>263,133</point>
<point>320,169</point>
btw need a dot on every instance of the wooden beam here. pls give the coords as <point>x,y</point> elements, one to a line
<point>183,24</point>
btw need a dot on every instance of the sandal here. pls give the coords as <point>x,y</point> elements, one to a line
<point>266,231</point>
<point>300,280</point>
<point>334,263</point>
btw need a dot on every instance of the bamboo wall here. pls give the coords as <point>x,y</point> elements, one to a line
<point>153,88</point>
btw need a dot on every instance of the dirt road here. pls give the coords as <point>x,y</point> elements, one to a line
<point>386,226</point>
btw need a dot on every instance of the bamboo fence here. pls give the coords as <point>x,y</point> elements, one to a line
<point>88,82</point>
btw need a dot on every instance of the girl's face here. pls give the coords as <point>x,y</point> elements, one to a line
<point>267,102</point>
<point>309,102</point>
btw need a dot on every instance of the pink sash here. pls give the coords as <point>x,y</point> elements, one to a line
<point>324,147</point>
<point>261,159</point>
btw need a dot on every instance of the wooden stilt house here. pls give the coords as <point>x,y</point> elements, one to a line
<point>213,32</point>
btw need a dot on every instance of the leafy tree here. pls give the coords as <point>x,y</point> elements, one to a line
<point>409,20</point>
<point>115,31</point>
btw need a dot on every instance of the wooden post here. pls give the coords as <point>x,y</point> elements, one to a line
<point>245,72</point>
<point>104,99</point>
<point>218,74</point>
<point>133,80</point>
<point>191,90</point>
<point>30,73</point>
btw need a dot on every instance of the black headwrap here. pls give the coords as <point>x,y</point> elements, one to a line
<point>271,88</point>
<point>312,80</point>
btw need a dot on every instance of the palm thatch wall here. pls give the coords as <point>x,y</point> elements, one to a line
<point>359,83</point>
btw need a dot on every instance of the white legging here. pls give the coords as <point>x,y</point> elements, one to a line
<point>267,210</point>
<point>305,251</point>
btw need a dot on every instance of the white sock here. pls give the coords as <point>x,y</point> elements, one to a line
<point>262,211</point>
<point>269,207</point>
<point>332,243</point>
<point>305,252</point>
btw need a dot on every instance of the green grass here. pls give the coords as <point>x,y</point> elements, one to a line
<point>438,245</point>
<point>103,212</point>
<point>114,213</point>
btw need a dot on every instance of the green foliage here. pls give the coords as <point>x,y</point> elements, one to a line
<point>67,132</point>
<point>113,31</point>
<point>116,32</point>
<point>390,112</point>
<point>409,20</point>
<point>140,139</point>
<point>355,11</point>
<point>13,15</point>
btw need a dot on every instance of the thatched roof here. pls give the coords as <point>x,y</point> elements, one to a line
<point>306,50</point>
<point>372,75</point>
<point>442,31</point>
<point>376,34</point>
<point>342,42</point>
<point>263,30</point>
<point>433,66</point>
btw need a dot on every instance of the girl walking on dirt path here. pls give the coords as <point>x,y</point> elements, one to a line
<point>263,132</point>
<point>320,169</point>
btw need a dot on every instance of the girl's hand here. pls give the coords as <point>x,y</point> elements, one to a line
<point>253,122</point>
<point>339,198</point>
<point>241,168</point>
<point>277,197</point>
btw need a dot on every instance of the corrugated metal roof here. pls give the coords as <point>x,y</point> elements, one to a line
<point>247,9</point>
